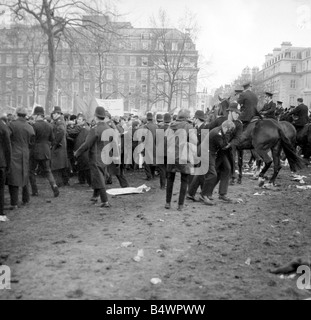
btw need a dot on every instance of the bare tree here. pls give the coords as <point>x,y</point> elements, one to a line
<point>174,61</point>
<point>59,18</point>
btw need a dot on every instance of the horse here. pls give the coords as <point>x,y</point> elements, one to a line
<point>218,110</point>
<point>269,135</point>
<point>304,141</point>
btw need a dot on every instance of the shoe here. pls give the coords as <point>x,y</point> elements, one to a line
<point>35,194</point>
<point>232,182</point>
<point>55,191</point>
<point>180,207</point>
<point>24,203</point>
<point>189,197</point>
<point>167,206</point>
<point>105,205</point>
<point>109,182</point>
<point>206,200</point>
<point>224,198</point>
<point>94,199</point>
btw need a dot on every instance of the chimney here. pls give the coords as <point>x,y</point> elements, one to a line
<point>268,57</point>
<point>285,45</point>
<point>276,51</point>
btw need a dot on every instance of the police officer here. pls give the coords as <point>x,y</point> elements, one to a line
<point>268,110</point>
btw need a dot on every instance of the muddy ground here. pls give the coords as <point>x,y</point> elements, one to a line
<point>67,248</point>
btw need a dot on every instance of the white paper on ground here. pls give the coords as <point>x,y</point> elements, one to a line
<point>130,190</point>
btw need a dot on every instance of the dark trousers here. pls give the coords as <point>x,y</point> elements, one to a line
<point>14,195</point>
<point>102,194</point>
<point>196,182</point>
<point>2,185</point>
<point>61,176</point>
<point>119,173</point>
<point>84,176</point>
<point>163,173</point>
<point>219,171</point>
<point>46,170</point>
<point>170,185</point>
<point>150,171</point>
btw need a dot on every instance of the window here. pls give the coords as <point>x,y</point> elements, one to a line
<point>132,88</point>
<point>8,100</point>
<point>121,75</point>
<point>292,100</point>
<point>9,73</point>
<point>108,88</point>
<point>64,73</point>
<point>75,86</point>
<point>20,59</point>
<point>132,61</point>
<point>97,87</point>
<point>174,46</point>
<point>293,84</point>
<point>293,68</point>
<point>87,75</point>
<point>144,61</point>
<point>19,73</point>
<point>19,101</point>
<point>188,46</point>
<point>143,88</point>
<point>75,60</point>
<point>41,100</point>
<point>133,75</point>
<point>64,103</point>
<point>87,60</point>
<point>145,45</point>
<point>121,88</point>
<point>30,101</point>
<point>86,87</point>
<point>42,59</point>
<point>19,85</point>
<point>109,75</point>
<point>121,60</point>
<point>144,75</point>
<point>41,86</point>
<point>8,59</point>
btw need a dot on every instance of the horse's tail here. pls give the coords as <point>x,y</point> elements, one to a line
<point>295,162</point>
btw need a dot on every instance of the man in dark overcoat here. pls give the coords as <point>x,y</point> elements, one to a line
<point>41,152</point>
<point>248,101</point>
<point>300,117</point>
<point>59,158</point>
<point>5,160</point>
<point>95,145</point>
<point>22,135</point>
<point>269,108</point>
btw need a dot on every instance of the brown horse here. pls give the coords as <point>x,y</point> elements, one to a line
<point>269,135</point>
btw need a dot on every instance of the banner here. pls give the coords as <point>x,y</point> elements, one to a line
<point>114,106</point>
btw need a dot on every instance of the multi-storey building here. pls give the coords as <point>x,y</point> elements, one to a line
<point>287,74</point>
<point>150,69</point>
<point>204,100</point>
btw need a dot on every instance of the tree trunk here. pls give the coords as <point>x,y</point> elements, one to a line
<point>52,70</point>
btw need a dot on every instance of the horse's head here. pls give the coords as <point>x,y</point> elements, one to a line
<point>222,106</point>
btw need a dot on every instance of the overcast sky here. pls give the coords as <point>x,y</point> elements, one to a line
<point>233,33</point>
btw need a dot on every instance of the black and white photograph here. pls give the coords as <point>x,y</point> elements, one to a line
<point>155,151</point>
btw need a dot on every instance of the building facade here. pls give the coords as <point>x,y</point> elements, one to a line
<point>287,74</point>
<point>150,69</point>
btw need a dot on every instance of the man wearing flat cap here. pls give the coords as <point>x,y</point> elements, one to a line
<point>248,101</point>
<point>22,136</point>
<point>41,151</point>
<point>268,110</point>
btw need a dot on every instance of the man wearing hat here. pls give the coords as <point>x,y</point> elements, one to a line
<point>41,151</point>
<point>300,117</point>
<point>279,110</point>
<point>150,153</point>
<point>22,136</point>
<point>159,119</point>
<point>248,101</point>
<point>95,146</point>
<point>162,163</point>
<point>5,161</point>
<point>59,157</point>
<point>268,110</point>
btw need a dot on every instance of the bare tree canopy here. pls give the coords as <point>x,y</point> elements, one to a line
<point>67,19</point>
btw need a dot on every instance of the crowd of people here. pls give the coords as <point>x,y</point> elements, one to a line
<point>60,146</point>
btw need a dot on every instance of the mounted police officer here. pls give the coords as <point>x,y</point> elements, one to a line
<point>268,110</point>
<point>300,117</point>
<point>248,101</point>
